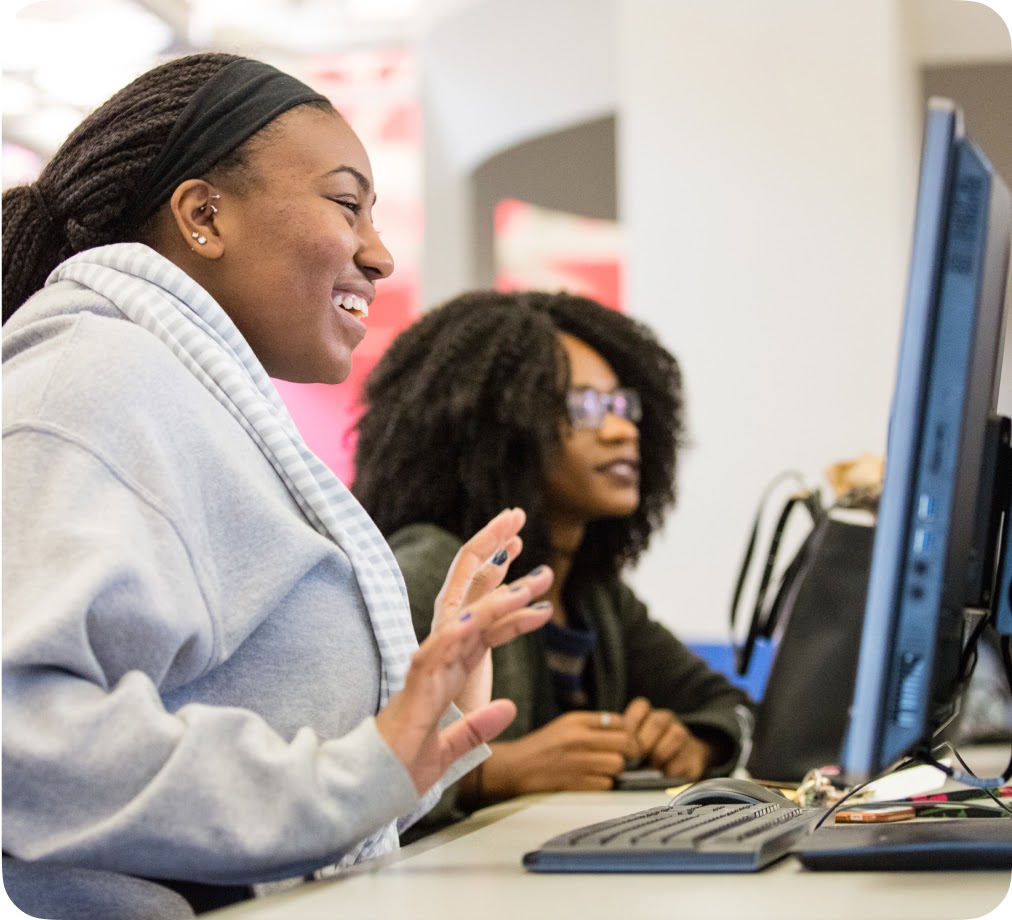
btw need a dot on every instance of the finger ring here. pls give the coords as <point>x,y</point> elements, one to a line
<point>605,719</point>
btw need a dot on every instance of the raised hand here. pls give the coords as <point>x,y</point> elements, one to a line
<point>474,613</point>
<point>478,568</point>
<point>664,742</point>
<point>576,751</point>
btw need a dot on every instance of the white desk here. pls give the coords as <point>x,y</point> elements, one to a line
<point>472,871</point>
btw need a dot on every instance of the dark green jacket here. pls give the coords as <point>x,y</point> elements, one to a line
<point>634,656</point>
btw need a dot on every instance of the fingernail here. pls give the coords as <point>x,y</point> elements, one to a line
<point>515,588</point>
<point>541,605</point>
<point>536,571</point>
<point>500,557</point>
<point>465,616</point>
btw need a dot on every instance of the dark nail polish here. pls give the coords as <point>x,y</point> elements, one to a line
<point>500,557</point>
<point>466,616</point>
<point>537,571</point>
<point>541,605</point>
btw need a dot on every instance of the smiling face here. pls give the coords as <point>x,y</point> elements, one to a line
<point>298,247</point>
<point>596,472</point>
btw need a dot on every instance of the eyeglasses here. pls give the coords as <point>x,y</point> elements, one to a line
<point>587,408</point>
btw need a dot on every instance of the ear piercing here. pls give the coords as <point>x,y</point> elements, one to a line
<point>214,210</point>
<point>199,237</point>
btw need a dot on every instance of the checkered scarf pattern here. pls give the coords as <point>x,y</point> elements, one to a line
<point>157,295</point>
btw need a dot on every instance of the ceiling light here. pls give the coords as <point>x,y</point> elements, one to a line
<point>381,10</point>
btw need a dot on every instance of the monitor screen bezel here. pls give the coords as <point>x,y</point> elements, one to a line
<point>871,743</point>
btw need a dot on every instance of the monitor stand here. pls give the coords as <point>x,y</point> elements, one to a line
<point>951,842</point>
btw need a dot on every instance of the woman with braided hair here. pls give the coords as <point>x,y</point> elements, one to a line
<point>210,677</point>
<point>574,411</point>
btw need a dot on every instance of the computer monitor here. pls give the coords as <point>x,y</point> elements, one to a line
<point>936,547</point>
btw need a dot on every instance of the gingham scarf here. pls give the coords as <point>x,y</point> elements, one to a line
<point>157,295</point>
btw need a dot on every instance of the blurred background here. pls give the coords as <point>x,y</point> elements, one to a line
<point>741,176</point>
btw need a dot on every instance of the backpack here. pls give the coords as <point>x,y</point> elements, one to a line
<point>813,612</point>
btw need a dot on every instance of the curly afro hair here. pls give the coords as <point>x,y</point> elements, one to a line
<point>466,408</point>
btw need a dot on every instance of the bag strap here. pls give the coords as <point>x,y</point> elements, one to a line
<point>763,615</point>
<point>797,565</point>
<point>754,535</point>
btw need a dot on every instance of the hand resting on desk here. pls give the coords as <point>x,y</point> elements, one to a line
<point>665,743</point>
<point>583,752</point>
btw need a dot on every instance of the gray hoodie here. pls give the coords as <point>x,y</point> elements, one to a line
<point>189,670</point>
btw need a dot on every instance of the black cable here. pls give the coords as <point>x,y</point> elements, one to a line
<point>989,791</point>
<point>970,649</point>
<point>836,805</point>
<point>926,756</point>
<point>969,778</point>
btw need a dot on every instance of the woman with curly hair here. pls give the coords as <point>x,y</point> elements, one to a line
<point>574,412</point>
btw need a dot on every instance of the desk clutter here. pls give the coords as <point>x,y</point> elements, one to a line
<point>913,819</point>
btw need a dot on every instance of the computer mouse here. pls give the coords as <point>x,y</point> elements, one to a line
<point>727,790</point>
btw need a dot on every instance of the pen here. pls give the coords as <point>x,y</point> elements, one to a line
<point>876,810</point>
<point>960,795</point>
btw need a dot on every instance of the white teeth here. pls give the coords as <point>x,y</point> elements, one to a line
<point>352,302</point>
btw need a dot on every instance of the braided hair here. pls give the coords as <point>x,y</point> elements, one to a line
<point>90,193</point>
<point>464,413</point>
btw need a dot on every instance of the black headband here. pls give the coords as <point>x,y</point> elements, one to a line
<point>227,110</point>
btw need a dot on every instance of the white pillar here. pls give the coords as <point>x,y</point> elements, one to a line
<point>769,166</point>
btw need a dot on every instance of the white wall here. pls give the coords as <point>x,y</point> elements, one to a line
<point>769,165</point>
<point>767,170</point>
<point>958,31</point>
<point>766,193</point>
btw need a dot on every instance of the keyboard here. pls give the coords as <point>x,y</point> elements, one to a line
<point>943,844</point>
<point>679,838</point>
